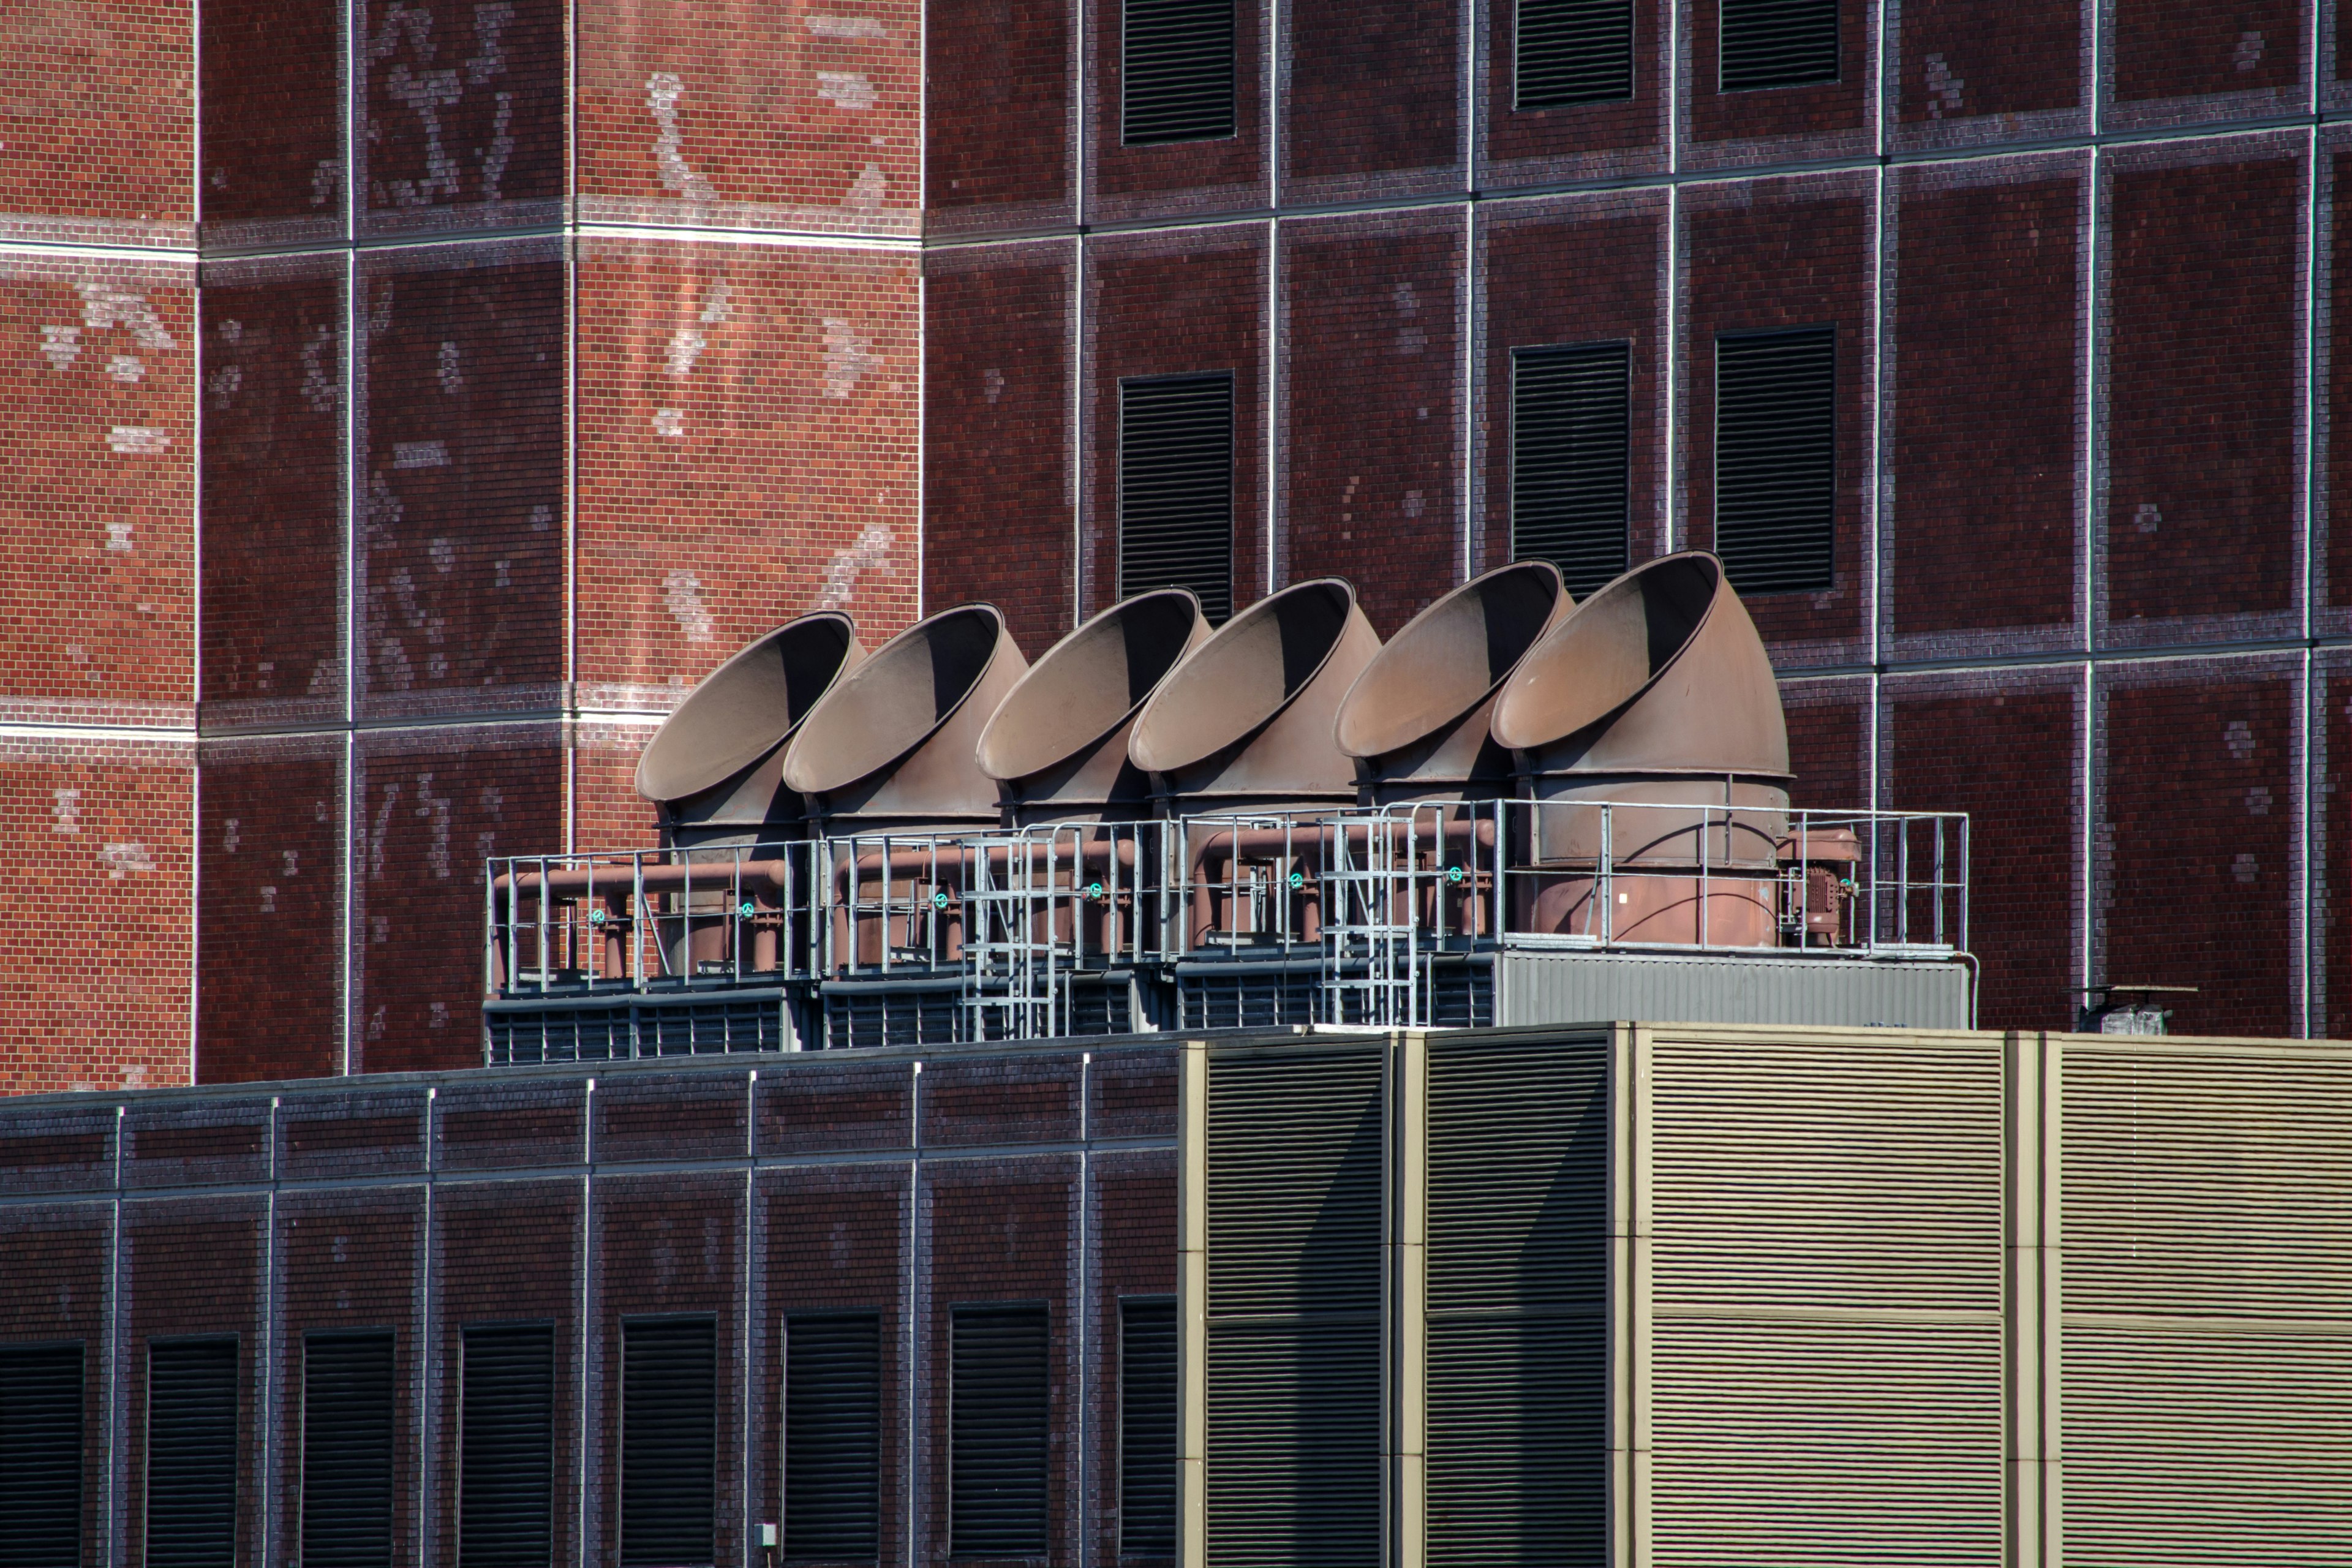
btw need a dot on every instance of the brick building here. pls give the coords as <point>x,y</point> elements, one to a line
<point>405,403</point>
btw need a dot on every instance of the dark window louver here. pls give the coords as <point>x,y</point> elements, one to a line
<point>1570,411</point>
<point>506,1446</point>
<point>40,1456</point>
<point>669,1441</point>
<point>1572,51</point>
<point>1293,1375</point>
<point>192,1454</point>
<point>1776,458</point>
<point>997,1430</point>
<point>347,1445</point>
<point>1148,1396</point>
<point>1778,43</point>
<point>1176,71</point>
<point>1176,489</point>
<point>833,1437</point>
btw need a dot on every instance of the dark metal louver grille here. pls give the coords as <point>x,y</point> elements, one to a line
<point>1776,458</point>
<point>833,1436</point>
<point>1569,457</point>
<point>1573,51</point>
<point>40,1456</point>
<point>1518,1190</point>
<point>1176,71</point>
<point>347,1445</point>
<point>1293,1375</point>
<point>1778,43</point>
<point>192,1454</point>
<point>1176,489</point>
<point>506,1480</point>
<point>669,1441</point>
<point>998,1430</point>
<point>1147,1427</point>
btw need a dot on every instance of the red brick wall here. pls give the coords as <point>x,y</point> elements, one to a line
<point>460,112</point>
<point>1829,743</point>
<point>2181,49</point>
<point>97,121</point>
<point>2329,924</point>
<point>1776,124</point>
<point>1000,115</point>
<point>1375,97</point>
<point>1134,1202</point>
<point>57,1262</point>
<point>1586,140</point>
<point>273,120</point>
<point>1165,179</point>
<point>1959,61</point>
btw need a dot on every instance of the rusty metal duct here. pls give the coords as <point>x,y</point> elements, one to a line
<point>1246,723</point>
<point>1057,746</point>
<point>1416,719</point>
<point>892,745</point>
<point>715,768</point>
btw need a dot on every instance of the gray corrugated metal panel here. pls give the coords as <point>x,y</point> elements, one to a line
<point>1829,1441</point>
<point>2192,1443</point>
<point>1856,1171</point>
<point>1724,988</point>
<point>2208,1180</point>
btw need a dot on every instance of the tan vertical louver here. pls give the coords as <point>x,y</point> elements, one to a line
<point>1825,1298</point>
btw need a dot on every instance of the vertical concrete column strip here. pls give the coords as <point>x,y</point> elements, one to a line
<point>1409,1302</point>
<point>1629,1297</point>
<point>1192,1303</point>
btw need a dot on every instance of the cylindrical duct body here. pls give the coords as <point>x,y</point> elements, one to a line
<point>715,768</point>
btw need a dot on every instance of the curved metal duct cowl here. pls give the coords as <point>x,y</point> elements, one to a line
<point>1246,723</point>
<point>1057,745</point>
<point>892,745</point>
<point>716,765</point>
<point>1416,719</point>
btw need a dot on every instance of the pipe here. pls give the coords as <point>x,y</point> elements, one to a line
<point>1057,746</point>
<point>715,767</point>
<point>1244,723</point>
<point>1416,719</point>
<point>891,746</point>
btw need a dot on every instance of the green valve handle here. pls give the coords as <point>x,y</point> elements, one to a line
<point>1299,879</point>
<point>1453,873</point>
<point>1094,889</point>
<point>597,916</point>
<point>744,909</point>
<point>939,901</point>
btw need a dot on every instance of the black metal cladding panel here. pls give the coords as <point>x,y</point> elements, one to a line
<point>1776,458</point>
<point>1570,456</point>
<point>1146,1426</point>
<point>833,1436</point>
<point>1293,1460</point>
<point>669,1441</point>
<point>1295,1221</point>
<point>1518,1441</point>
<point>858,1015</point>
<point>1176,70</point>
<point>192,1454</point>
<point>506,1446</point>
<point>347,1450</point>
<point>999,1430</point>
<point>1176,488</point>
<point>1573,51</point>
<point>1248,999</point>
<point>40,1456</point>
<point>1778,43</point>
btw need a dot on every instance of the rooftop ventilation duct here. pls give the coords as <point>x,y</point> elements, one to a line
<point>715,767</point>
<point>1244,723</point>
<point>1656,689</point>
<point>892,745</point>
<point>1057,745</point>
<point>1416,719</point>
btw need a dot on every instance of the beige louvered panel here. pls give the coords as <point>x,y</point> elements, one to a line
<point>1825,1223</point>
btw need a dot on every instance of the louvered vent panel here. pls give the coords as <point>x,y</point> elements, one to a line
<point>1776,458</point>
<point>506,1456</point>
<point>1568,456</point>
<point>670,1428</point>
<point>1147,1427</point>
<point>40,1456</point>
<point>347,1448</point>
<point>833,1436</point>
<point>1293,1375</point>
<point>1176,489</point>
<point>2207,1338</point>
<point>1518,1193</point>
<point>192,1454</point>
<point>1573,51</point>
<point>1176,70</point>
<point>999,1431</point>
<point>1827,1264</point>
<point>1778,43</point>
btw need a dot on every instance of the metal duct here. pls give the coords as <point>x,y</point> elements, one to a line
<point>716,765</point>
<point>892,746</point>
<point>1057,746</point>
<point>1246,722</point>
<point>1416,719</point>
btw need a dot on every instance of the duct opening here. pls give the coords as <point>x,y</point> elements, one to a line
<point>744,709</point>
<point>1448,660</point>
<point>891,703</point>
<point>1608,652</point>
<point>1090,684</point>
<point>1243,677</point>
